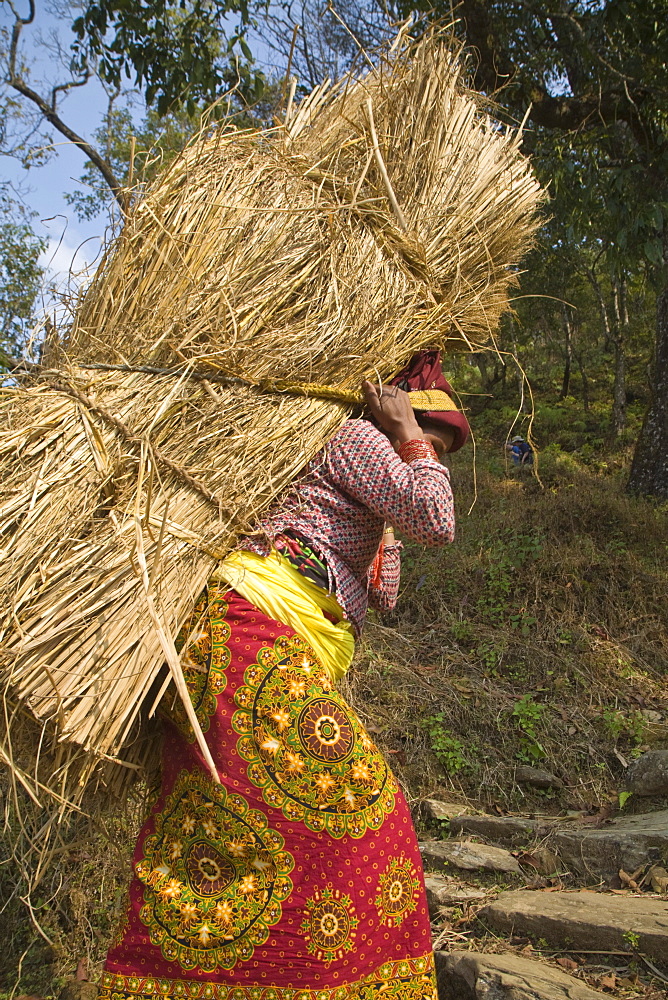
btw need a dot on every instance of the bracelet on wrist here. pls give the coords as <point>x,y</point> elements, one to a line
<point>417,448</point>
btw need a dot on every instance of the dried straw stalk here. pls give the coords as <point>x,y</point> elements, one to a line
<point>386,215</point>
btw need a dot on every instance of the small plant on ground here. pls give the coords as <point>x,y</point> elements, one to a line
<point>632,939</point>
<point>631,727</point>
<point>529,715</point>
<point>449,751</point>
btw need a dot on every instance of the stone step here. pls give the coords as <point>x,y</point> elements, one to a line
<point>512,831</point>
<point>586,919</point>
<point>471,975</point>
<point>627,842</point>
<point>439,855</point>
<point>444,891</point>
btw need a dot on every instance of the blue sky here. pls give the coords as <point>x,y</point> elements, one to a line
<point>73,245</point>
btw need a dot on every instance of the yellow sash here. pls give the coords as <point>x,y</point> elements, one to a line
<point>274,586</point>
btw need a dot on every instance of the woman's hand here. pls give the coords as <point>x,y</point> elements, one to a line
<point>393,411</point>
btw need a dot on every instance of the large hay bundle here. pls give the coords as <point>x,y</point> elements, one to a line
<point>385,215</point>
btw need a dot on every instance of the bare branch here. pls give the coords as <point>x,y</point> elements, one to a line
<point>64,87</point>
<point>48,108</point>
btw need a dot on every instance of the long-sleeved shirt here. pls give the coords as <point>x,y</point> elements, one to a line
<point>340,504</point>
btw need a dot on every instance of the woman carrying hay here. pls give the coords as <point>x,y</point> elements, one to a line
<point>298,877</point>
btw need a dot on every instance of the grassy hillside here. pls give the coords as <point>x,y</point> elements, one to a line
<point>539,637</point>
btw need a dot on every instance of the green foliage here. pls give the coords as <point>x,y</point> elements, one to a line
<point>183,53</point>
<point>448,750</point>
<point>507,554</point>
<point>630,726</point>
<point>528,715</point>
<point>632,939</point>
<point>591,79</point>
<point>20,279</point>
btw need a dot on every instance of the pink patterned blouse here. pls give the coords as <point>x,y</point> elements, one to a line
<point>340,505</point>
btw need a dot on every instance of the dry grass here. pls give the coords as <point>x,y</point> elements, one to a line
<point>596,647</point>
<point>387,213</point>
<point>540,637</point>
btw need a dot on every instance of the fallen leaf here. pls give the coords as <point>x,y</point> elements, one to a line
<point>82,971</point>
<point>658,878</point>
<point>525,858</point>
<point>608,982</point>
<point>568,963</point>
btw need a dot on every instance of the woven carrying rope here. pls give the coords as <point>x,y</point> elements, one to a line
<point>435,400</point>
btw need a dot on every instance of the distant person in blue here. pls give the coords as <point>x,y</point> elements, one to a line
<point>520,451</point>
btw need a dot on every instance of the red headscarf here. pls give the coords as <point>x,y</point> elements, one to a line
<point>422,372</point>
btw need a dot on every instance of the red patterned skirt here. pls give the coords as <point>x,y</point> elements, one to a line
<point>298,877</point>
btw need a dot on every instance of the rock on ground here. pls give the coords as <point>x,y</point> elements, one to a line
<point>514,830</point>
<point>442,891</point>
<point>435,809</point>
<point>470,975</point>
<point>648,775</point>
<point>627,842</point>
<point>439,854</point>
<point>588,919</point>
<point>536,777</point>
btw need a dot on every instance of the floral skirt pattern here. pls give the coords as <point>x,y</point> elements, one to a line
<point>296,878</point>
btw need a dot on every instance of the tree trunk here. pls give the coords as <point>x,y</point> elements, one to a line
<point>649,470</point>
<point>618,417</point>
<point>568,331</point>
<point>585,383</point>
<point>518,371</point>
<point>480,360</point>
<point>605,319</point>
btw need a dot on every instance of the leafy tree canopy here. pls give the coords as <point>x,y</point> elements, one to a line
<point>20,278</point>
<point>181,52</point>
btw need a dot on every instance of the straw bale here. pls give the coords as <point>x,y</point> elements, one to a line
<point>388,213</point>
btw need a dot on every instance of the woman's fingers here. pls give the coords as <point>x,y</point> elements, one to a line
<point>370,391</point>
<point>375,397</point>
<point>390,406</point>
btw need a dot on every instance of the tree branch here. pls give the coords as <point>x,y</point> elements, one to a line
<point>48,109</point>
<point>64,87</point>
<point>495,69</point>
<point>589,104</point>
